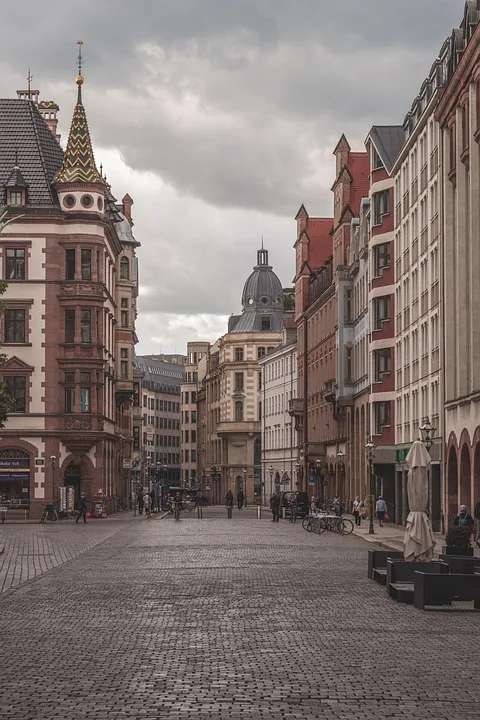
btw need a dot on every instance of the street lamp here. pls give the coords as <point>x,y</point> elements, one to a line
<point>340,469</point>
<point>297,474</point>
<point>244,475</point>
<point>271,472</point>
<point>318,467</point>
<point>427,431</point>
<point>370,448</point>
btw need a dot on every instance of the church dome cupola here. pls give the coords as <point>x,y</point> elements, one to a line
<point>262,299</point>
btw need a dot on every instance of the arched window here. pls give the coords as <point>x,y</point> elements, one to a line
<point>124,269</point>
<point>239,411</point>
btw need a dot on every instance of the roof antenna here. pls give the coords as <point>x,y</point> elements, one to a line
<point>29,82</point>
<point>262,241</point>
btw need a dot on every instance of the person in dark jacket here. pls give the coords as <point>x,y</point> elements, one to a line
<point>229,503</point>
<point>240,499</point>
<point>464,519</point>
<point>140,502</point>
<point>476,514</point>
<point>275,502</point>
<point>82,508</point>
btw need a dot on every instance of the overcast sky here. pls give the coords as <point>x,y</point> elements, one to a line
<point>219,118</point>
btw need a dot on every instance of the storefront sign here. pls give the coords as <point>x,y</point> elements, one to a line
<point>127,463</point>
<point>40,461</point>
<point>63,499</point>
<point>14,463</point>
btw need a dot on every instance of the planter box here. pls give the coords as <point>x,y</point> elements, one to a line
<point>459,552</point>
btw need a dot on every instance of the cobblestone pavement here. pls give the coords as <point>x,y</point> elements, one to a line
<point>228,619</point>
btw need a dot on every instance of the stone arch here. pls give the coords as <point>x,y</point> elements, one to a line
<point>17,444</point>
<point>452,485</point>
<point>476,472</point>
<point>465,476</point>
<point>86,474</point>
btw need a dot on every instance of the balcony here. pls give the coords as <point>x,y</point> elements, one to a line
<point>296,407</point>
<point>249,427</point>
<point>329,392</point>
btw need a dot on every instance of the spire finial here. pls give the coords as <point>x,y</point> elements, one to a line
<point>262,241</point>
<point>80,78</point>
<point>29,82</point>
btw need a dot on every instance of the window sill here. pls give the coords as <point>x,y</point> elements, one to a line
<point>16,344</point>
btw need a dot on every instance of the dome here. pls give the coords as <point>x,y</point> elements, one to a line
<point>262,290</point>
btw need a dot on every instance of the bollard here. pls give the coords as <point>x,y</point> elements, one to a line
<point>259,512</point>
<point>199,512</point>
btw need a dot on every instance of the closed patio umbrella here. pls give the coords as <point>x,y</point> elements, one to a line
<point>418,542</point>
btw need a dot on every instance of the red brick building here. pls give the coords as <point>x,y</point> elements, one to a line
<point>68,327</point>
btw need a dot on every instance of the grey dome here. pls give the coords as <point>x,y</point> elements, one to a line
<point>263,289</point>
<point>262,300</point>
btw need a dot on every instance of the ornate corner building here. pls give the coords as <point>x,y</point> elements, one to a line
<point>68,326</point>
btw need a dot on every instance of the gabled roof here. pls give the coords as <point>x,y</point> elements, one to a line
<point>388,141</point>
<point>24,132</point>
<point>342,142</point>
<point>302,212</point>
<point>78,162</point>
<point>345,169</point>
<point>16,179</point>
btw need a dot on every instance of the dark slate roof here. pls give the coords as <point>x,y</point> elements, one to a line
<point>262,295</point>
<point>388,141</point>
<point>16,179</point>
<point>78,161</point>
<point>25,132</point>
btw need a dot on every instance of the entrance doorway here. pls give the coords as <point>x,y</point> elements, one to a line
<point>73,478</point>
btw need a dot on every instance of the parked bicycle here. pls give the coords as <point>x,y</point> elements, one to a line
<point>319,522</point>
<point>49,513</point>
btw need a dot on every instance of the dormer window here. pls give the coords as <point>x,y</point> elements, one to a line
<point>16,197</point>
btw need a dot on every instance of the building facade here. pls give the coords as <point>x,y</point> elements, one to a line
<point>458,114</point>
<point>159,399</point>
<point>279,436</point>
<point>189,420</point>
<point>419,292</point>
<point>230,395</point>
<point>69,259</point>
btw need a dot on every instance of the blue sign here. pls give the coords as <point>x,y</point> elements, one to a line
<point>14,463</point>
<point>312,480</point>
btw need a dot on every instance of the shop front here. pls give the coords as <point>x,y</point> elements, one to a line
<point>15,480</point>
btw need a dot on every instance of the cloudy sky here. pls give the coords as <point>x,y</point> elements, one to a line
<point>219,117</point>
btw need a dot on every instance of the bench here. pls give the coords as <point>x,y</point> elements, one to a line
<point>377,563</point>
<point>400,577</point>
<point>461,565</point>
<point>441,589</point>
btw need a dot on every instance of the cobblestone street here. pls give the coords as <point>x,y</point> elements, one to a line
<point>224,619</point>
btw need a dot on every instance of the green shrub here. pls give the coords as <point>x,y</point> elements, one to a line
<point>458,536</point>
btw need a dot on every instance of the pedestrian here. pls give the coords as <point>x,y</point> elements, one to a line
<point>464,519</point>
<point>381,509</point>
<point>240,499</point>
<point>357,511</point>
<point>229,503</point>
<point>476,512</point>
<point>140,502</point>
<point>152,500</point>
<point>146,503</point>
<point>82,508</point>
<point>293,507</point>
<point>275,501</point>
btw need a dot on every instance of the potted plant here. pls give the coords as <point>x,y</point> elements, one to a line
<point>458,541</point>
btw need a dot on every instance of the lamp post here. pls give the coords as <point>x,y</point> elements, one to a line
<point>370,448</point>
<point>244,475</point>
<point>318,468</point>
<point>341,475</point>
<point>271,472</point>
<point>53,463</point>
<point>428,431</point>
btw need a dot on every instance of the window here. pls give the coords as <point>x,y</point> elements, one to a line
<point>238,354</point>
<point>14,323</point>
<point>16,386</point>
<point>349,365</point>
<point>186,435</point>
<point>85,393</point>
<point>86,264</point>
<point>86,326</point>
<point>194,456</point>
<point>382,416</point>
<point>136,437</point>
<point>15,197</point>
<point>85,377</point>
<point>124,363</point>
<point>70,264</point>
<point>124,303</point>
<point>381,206</point>
<point>260,352</point>
<point>124,269</point>
<point>15,264</point>
<point>187,456</point>
<point>69,399</point>
<point>193,396</point>
<point>194,416</point>
<point>239,381</point>
<point>69,377</point>
<point>381,308</point>
<point>381,360</point>
<point>124,318</point>
<point>194,436</point>
<point>265,322</point>
<point>381,255</point>
<point>239,411</point>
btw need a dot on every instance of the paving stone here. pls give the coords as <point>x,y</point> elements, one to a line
<point>215,618</point>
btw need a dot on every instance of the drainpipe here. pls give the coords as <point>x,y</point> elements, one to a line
<point>305,400</point>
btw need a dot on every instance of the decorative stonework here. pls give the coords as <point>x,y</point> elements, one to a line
<point>73,422</point>
<point>82,289</point>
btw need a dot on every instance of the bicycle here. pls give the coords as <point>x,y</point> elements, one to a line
<point>337,524</point>
<point>49,510</point>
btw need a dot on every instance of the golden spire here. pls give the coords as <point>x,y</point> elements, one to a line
<point>78,161</point>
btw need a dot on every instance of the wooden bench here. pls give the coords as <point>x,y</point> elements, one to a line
<point>377,563</point>
<point>442,589</point>
<point>400,577</point>
<point>461,565</point>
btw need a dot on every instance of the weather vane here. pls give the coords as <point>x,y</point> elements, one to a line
<point>80,59</point>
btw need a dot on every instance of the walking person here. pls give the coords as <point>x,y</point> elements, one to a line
<point>146,503</point>
<point>153,500</point>
<point>229,503</point>
<point>357,511</point>
<point>82,508</point>
<point>140,502</point>
<point>275,501</point>
<point>240,499</point>
<point>476,513</point>
<point>293,507</point>
<point>381,510</point>
<point>464,519</point>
